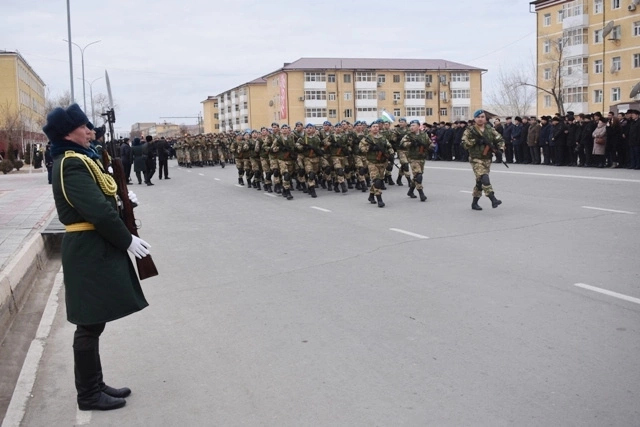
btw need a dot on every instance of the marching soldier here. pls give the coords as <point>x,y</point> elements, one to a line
<point>310,146</point>
<point>236,147</point>
<point>416,146</point>
<point>377,150</point>
<point>400,132</point>
<point>385,130</point>
<point>253,147</point>
<point>284,147</point>
<point>360,159</point>
<point>264,148</point>
<point>336,146</point>
<point>481,141</point>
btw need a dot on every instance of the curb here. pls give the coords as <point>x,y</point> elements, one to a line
<point>22,392</point>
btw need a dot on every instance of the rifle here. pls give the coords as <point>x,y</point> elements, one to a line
<point>488,145</point>
<point>146,266</point>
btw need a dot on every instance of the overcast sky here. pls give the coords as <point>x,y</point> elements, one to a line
<point>165,56</point>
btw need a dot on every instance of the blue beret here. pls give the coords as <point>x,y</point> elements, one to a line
<point>345,122</point>
<point>402,119</point>
<point>477,113</point>
<point>61,122</point>
<point>415,121</point>
<point>363,122</point>
<point>327,123</point>
<point>309,125</point>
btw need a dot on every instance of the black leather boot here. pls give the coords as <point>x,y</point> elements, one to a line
<point>475,206</point>
<point>287,194</point>
<point>258,186</point>
<point>304,187</point>
<point>390,180</point>
<point>113,392</point>
<point>343,187</point>
<point>336,186</point>
<point>494,202</point>
<point>90,397</point>
<point>410,192</point>
<point>399,181</point>
<point>364,187</point>
<point>380,202</point>
<point>312,192</point>
<point>240,181</point>
<point>422,196</point>
<point>372,199</point>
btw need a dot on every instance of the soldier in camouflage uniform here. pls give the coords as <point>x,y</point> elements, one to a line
<point>187,150</point>
<point>335,144</point>
<point>310,146</point>
<point>399,133</point>
<point>298,132</point>
<point>377,150</point>
<point>360,160</point>
<point>385,130</point>
<point>236,147</point>
<point>283,148</point>
<point>264,149</point>
<point>274,166</point>
<point>417,146</point>
<point>253,144</point>
<point>481,141</point>
<point>208,150</point>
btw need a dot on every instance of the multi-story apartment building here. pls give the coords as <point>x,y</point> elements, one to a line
<point>211,117</point>
<point>22,97</point>
<point>588,52</point>
<point>312,90</point>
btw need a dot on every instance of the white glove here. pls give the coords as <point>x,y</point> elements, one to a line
<point>110,170</point>
<point>133,197</point>
<point>139,247</point>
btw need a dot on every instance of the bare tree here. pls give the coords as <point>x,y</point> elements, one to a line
<point>12,128</point>
<point>511,97</point>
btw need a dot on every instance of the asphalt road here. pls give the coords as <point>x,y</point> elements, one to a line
<point>270,312</point>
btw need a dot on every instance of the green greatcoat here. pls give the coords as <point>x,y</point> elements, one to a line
<point>100,281</point>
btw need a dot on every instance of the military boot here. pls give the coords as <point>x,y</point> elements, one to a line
<point>113,392</point>
<point>494,202</point>
<point>475,206</point>
<point>350,184</point>
<point>357,185</point>
<point>268,188</point>
<point>90,396</point>
<point>384,187</point>
<point>312,191</point>
<point>372,199</point>
<point>258,187</point>
<point>303,186</point>
<point>323,183</point>
<point>422,196</point>
<point>240,181</point>
<point>278,188</point>
<point>336,186</point>
<point>380,202</point>
<point>343,187</point>
<point>410,192</point>
<point>390,180</point>
<point>298,185</point>
<point>399,180</point>
<point>368,182</point>
<point>287,193</point>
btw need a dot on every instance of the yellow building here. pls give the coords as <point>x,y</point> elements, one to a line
<point>312,90</point>
<point>588,52</point>
<point>21,96</point>
<point>211,117</point>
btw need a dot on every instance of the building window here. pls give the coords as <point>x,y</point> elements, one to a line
<point>573,8</point>
<point>246,119</point>
<point>547,74</point>
<point>597,36</point>
<point>332,96</point>
<point>333,114</point>
<point>382,78</point>
<point>459,77</point>
<point>315,77</point>
<point>237,120</point>
<point>597,6</point>
<point>428,78</point>
<point>577,65</point>
<point>616,64</point>
<point>396,112</point>
<point>396,78</point>
<point>574,37</point>
<point>367,110</point>
<point>547,101</point>
<point>382,95</point>
<point>574,94</point>
<point>461,112</point>
<point>615,94</point>
<point>597,96</point>
<point>616,34</point>
<point>443,111</point>
<point>636,60</point>
<point>245,105</point>
<point>429,94</point>
<point>217,126</point>
<point>363,76</point>
<point>429,112</point>
<point>636,29</point>
<point>331,78</point>
<point>315,95</point>
<point>347,96</point>
<point>415,111</point>
<point>460,94</point>
<point>414,94</point>
<point>346,78</point>
<point>315,112</point>
<point>560,15</point>
<point>443,96</point>
<point>443,78</point>
<point>216,116</point>
<point>396,96</point>
<point>615,4</point>
<point>414,77</point>
<point>546,46</point>
<point>546,20</point>
<point>597,66</point>
<point>366,94</point>
<point>348,112</point>
<point>237,107</point>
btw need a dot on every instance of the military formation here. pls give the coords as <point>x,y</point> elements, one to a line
<point>337,157</point>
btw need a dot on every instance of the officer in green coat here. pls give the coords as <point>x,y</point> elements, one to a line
<point>100,281</point>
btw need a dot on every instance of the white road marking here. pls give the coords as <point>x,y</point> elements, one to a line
<point>610,293</point>
<point>465,191</point>
<point>83,418</point>
<point>609,210</point>
<point>320,209</point>
<point>216,179</point>
<point>188,171</point>
<point>201,174</point>
<point>555,175</point>
<point>270,195</point>
<point>238,185</point>
<point>419,236</point>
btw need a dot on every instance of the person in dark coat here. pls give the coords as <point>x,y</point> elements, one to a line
<point>126,157</point>
<point>518,138</point>
<point>151,159</point>
<point>139,153</point>
<point>558,140</point>
<point>162,148</point>
<point>506,135</point>
<point>100,281</point>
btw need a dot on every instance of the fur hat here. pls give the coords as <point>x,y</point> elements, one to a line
<point>61,122</point>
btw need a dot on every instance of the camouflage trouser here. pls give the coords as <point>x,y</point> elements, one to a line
<point>311,165</point>
<point>187,156</point>
<point>240,164</point>
<point>402,157</point>
<point>417,168</point>
<point>338,162</point>
<point>300,167</point>
<point>210,154</point>
<point>481,167</point>
<point>264,167</point>
<point>221,155</point>
<point>255,168</point>
<point>199,155</point>
<point>376,171</point>
<point>273,165</point>
<point>287,169</point>
<point>361,163</point>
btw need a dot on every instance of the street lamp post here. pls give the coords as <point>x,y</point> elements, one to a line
<point>84,96</point>
<point>93,113</point>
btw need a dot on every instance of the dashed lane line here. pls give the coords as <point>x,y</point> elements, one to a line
<point>270,195</point>
<point>216,179</point>
<point>553,175</point>
<point>201,174</point>
<point>609,210</point>
<point>609,293</point>
<point>467,192</point>
<point>408,233</point>
<point>320,209</point>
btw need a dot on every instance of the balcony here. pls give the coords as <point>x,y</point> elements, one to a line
<point>575,21</point>
<point>315,103</point>
<point>416,85</point>
<point>315,85</point>
<point>575,50</point>
<point>366,103</point>
<point>410,102</point>
<point>366,85</point>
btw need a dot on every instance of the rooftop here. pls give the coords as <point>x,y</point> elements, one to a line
<point>375,64</point>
